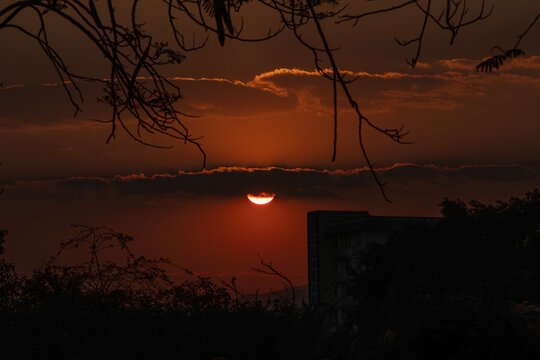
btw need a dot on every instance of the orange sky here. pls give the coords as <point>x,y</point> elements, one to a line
<point>261,105</point>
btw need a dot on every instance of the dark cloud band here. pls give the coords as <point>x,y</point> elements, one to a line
<point>296,182</point>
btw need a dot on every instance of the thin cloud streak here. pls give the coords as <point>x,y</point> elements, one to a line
<point>442,85</point>
<point>261,81</point>
<point>236,181</point>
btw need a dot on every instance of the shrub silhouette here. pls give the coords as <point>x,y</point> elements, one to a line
<point>104,308</point>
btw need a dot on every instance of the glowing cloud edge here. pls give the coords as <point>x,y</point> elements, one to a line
<point>261,199</point>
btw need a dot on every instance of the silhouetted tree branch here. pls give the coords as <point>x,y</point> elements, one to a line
<point>269,269</point>
<point>494,62</point>
<point>135,87</point>
<point>136,277</point>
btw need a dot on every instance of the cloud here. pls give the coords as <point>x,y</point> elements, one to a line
<point>442,85</point>
<point>286,182</point>
<point>46,105</point>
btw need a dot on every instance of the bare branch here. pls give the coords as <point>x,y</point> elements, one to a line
<point>269,269</point>
<point>356,18</point>
<point>419,39</point>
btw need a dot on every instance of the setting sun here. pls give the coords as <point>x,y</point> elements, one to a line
<point>261,199</point>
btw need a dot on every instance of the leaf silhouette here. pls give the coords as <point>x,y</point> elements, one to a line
<point>497,61</point>
<point>218,10</point>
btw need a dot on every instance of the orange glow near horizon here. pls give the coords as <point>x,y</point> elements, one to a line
<point>261,199</point>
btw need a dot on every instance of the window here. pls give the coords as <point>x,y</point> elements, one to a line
<point>341,290</point>
<point>355,263</point>
<point>341,264</point>
<point>356,240</point>
<point>343,241</point>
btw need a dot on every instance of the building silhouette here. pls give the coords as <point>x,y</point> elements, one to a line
<point>336,240</point>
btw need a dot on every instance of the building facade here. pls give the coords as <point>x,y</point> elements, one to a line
<point>335,243</point>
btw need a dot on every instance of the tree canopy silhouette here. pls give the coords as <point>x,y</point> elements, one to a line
<point>136,87</point>
<point>467,287</point>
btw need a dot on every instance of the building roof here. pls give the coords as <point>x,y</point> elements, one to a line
<point>369,222</point>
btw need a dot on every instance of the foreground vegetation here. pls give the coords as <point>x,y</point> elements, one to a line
<point>466,288</point>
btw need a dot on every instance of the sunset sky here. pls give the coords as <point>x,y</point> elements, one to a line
<point>266,117</point>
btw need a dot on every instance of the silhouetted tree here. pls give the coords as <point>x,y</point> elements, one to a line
<point>466,288</point>
<point>117,304</point>
<point>136,88</point>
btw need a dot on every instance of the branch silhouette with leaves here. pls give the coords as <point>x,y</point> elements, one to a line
<point>136,88</point>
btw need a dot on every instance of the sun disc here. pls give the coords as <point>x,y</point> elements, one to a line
<point>261,199</point>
